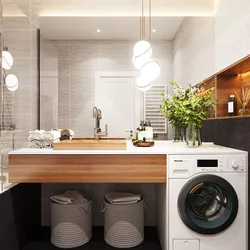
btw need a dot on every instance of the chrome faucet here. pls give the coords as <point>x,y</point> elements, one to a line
<point>97,114</point>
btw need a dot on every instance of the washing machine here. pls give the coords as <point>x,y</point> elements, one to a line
<point>207,201</point>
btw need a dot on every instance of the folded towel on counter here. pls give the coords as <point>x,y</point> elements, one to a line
<point>69,197</point>
<point>67,132</point>
<point>51,135</point>
<point>36,134</point>
<point>35,143</point>
<point>49,143</point>
<point>122,198</point>
<point>65,137</point>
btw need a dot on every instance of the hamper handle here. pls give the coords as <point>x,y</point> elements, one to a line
<point>103,209</point>
<point>84,212</point>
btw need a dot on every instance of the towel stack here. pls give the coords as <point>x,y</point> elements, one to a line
<point>118,198</point>
<point>69,197</point>
<point>43,139</point>
<point>66,134</point>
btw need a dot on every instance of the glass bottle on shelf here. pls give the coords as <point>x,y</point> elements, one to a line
<point>232,106</point>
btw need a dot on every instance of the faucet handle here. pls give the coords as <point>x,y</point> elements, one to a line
<point>131,133</point>
<point>99,114</point>
<point>95,112</point>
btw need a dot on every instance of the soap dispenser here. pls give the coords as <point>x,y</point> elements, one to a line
<point>149,132</point>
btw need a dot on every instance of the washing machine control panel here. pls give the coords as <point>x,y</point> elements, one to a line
<point>185,166</point>
<point>222,164</point>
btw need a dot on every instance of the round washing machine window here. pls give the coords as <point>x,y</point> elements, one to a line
<point>208,204</point>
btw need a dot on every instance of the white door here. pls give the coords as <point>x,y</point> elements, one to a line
<point>119,100</point>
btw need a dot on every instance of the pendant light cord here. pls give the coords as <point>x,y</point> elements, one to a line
<point>149,26</point>
<point>143,21</point>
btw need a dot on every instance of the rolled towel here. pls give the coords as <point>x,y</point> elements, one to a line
<point>36,134</point>
<point>51,135</point>
<point>35,143</point>
<point>47,144</point>
<point>67,132</point>
<point>122,198</point>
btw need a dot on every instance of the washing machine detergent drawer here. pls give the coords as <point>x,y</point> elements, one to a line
<point>186,245</point>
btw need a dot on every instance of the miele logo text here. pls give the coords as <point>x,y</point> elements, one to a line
<point>178,160</point>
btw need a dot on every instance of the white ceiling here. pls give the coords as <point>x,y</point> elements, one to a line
<point>113,28</point>
<point>121,7</point>
<point>117,19</point>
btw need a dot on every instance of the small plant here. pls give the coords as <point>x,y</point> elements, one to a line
<point>187,107</point>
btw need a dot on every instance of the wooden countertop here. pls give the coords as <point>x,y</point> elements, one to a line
<point>133,165</point>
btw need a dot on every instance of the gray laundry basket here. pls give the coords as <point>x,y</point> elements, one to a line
<point>71,225</point>
<point>124,224</point>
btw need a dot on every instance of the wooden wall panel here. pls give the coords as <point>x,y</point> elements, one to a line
<point>87,168</point>
<point>226,85</point>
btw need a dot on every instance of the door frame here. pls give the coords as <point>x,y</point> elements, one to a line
<point>138,115</point>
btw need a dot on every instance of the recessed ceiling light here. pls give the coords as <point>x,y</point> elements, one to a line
<point>154,30</point>
<point>98,30</point>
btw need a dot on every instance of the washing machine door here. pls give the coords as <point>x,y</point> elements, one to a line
<point>208,204</point>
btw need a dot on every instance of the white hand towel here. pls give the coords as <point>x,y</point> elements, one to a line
<point>36,134</point>
<point>47,144</point>
<point>51,135</point>
<point>35,143</point>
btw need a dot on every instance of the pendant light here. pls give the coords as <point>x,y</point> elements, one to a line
<point>151,70</point>
<point>142,53</point>
<point>7,60</point>
<point>142,50</point>
<point>143,84</point>
<point>11,81</point>
<point>13,88</point>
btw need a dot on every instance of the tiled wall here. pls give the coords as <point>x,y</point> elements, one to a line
<point>21,106</point>
<point>205,45</point>
<point>48,85</point>
<point>78,61</point>
<point>193,50</point>
<point>97,192</point>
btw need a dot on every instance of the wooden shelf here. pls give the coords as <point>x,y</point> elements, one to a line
<point>229,117</point>
<point>225,83</point>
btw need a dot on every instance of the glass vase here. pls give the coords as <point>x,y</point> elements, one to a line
<point>193,136</point>
<point>244,111</point>
<point>178,133</point>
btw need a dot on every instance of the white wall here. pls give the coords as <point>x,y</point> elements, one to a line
<point>206,45</point>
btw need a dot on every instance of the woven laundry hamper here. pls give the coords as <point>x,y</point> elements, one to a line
<point>71,225</point>
<point>124,224</point>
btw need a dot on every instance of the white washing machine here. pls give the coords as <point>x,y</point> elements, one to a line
<point>207,202</point>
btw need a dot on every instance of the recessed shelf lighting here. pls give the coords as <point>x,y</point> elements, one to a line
<point>154,30</point>
<point>98,30</point>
